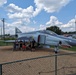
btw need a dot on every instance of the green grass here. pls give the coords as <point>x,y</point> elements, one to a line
<point>2,43</point>
<point>73,48</point>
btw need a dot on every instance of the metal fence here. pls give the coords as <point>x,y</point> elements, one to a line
<point>58,64</point>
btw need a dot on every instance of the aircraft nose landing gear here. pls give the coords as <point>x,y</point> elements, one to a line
<point>56,49</point>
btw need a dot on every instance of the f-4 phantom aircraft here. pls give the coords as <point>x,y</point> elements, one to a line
<point>45,38</point>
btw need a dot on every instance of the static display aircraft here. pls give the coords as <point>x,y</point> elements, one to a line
<point>45,38</point>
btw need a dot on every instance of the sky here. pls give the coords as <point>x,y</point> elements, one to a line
<point>33,15</point>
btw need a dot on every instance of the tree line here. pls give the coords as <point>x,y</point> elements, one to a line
<point>58,30</point>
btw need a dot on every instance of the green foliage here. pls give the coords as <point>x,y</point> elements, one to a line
<point>10,38</point>
<point>2,43</point>
<point>55,29</point>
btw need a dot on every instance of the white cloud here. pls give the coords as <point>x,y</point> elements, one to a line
<point>24,15</point>
<point>15,15</point>
<point>2,2</point>
<point>13,8</point>
<point>36,12</point>
<point>21,16</point>
<point>10,27</point>
<point>50,6</point>
<point>15,12</point>
<point>27,28</point>
<point>42,27</point>
<point>70,26</point>
<point>53,21</point>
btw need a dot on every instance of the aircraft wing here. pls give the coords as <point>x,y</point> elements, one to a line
<point>18,39</point>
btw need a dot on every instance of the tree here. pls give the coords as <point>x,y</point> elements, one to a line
<point>55,29</point>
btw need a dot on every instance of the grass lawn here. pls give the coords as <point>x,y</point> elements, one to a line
<point>2,43</point>
<point>73,48</point>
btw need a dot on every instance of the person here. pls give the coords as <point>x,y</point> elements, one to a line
<point>14,46</point>
<point>24,46</point>
<point>17,45</point>
<point>20,44</point>
<point>33,44</point>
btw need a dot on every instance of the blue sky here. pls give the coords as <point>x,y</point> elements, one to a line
<point>32,15</point>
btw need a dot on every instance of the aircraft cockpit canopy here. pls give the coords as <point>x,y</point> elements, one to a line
<point>48,32</point>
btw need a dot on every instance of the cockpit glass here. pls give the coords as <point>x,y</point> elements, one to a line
<point>49,32</point>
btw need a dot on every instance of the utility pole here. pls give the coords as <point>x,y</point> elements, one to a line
<point>75,26</point>
<point>3,20</point>
<point>75,23</point>
<point>1,32</point>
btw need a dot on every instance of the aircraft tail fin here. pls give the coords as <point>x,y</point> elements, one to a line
<point>17,30</point>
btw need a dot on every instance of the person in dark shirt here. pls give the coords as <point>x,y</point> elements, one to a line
<point>33,44</point>
<point>21,45</point>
